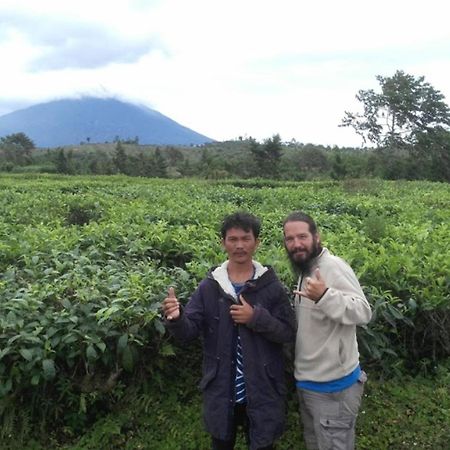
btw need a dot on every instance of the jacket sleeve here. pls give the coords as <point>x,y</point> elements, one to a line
<point>277,325</point>
<point>344,301</point>
<point>190,323</point>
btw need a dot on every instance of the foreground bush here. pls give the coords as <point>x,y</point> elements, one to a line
<point>398,414</point>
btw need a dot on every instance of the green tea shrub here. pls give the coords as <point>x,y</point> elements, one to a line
<point>80,297</point>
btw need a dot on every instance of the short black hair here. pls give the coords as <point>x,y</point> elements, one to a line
<point>299,216</point>
<point>242,220</point>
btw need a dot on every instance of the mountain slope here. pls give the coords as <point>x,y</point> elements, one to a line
<point>71,121</point>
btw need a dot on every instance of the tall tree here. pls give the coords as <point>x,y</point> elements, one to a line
<point>406,108</point>
<point>267,156</point>
<point>160,168</point>
<point>61,163</point>
<point>17,148</point>
<point>120,158</point>
<point>432,154</point>
<point>174,155</point>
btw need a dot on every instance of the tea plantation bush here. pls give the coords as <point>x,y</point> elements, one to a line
<point>86,261</point>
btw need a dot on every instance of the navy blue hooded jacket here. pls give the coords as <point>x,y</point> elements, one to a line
<point>207,314</point>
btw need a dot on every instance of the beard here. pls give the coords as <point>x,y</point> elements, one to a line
<point>301,262</point>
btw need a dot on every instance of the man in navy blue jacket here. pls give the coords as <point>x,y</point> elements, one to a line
<point>243,314</point>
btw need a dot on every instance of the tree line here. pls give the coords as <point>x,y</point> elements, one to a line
<point>404,130</point>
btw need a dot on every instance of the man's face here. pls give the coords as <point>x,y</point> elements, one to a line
<point>301,245</point>
<point>240,245</point>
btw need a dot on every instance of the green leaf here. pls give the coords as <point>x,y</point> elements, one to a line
<point>101,346</point>
<point>127,359</point>
<point>412,304</point>
<point>167,350</point>
<point>7,386</point>
<point>51,331</point>
<point>4,352</point>
<point>49,369</point>
<point>70,339</point>
<point>122,342</point>
<point>91,353</point>
<point>11,317</point>
<point>26,353</point>
<point>66,303</point>
<point>159,326</point>
<point>105,313</point>
<point>83,407</point>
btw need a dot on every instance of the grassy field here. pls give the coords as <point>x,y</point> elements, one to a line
<point>399,414</point>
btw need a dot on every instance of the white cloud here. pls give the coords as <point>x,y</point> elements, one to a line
<point>224,69</point>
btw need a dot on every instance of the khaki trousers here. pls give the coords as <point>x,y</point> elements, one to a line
<point>329,419</point>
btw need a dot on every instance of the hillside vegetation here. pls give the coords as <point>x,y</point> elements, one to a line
<point>404,129</point>
<point>242,158</point>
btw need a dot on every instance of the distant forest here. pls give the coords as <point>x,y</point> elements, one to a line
<point>404,131</point>
<point>244,158</point>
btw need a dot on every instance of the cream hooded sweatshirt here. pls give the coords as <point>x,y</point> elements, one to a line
<point>326,346</point>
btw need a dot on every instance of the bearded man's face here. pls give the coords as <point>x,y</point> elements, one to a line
<point>301,245</point>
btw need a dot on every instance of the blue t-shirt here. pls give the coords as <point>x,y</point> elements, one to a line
<point>331,386</point>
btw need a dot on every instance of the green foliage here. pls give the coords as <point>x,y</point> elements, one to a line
<point>86,261</point>
<point>16,148</point>
<point>427,159</point>
<point>400,413</point>
<point>404,413</point>
<point>375,226</point>
<point>120,158</point>
<point>63,162</point>
<point>381,343</point>
<point>409,122</point>
<point>405,108</point>
<point>267,156</point>
<point>432,155</point>
<point>82,214</point>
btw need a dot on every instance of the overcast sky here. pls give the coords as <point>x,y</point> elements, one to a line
<point>223,68</point>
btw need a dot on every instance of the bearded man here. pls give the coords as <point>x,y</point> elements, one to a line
<point>329,304</point>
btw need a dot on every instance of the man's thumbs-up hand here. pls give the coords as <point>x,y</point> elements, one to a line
<point>241,313</point>
<point>171,307</point>
<point>314,287</point>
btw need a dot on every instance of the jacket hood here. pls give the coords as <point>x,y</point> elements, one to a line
<point>220,274</point>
